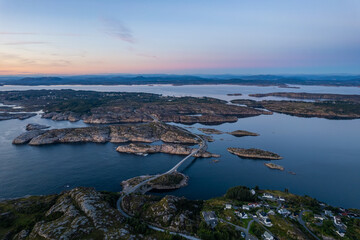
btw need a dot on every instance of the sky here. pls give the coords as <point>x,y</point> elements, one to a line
<point>74,37</point>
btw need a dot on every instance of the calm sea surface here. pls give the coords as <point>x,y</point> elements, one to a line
<point>324,154</point>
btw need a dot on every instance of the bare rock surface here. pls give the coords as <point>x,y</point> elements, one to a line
<point>35,126</point>
<point>254,153</point>
<point>149,132</point>
<point>175,149</point>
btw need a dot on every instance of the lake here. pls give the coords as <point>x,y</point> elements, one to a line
<point>324,154</point>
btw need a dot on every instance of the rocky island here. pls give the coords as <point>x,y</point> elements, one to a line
<point>210,131</point>
<point>35,126</point>
<point>242,133</point>
<point>149,132</point>
<point>274,166</point>
<point>126,107</point>
<point>175,149</point>
<point>320,109</point>
<point>311,96</point>
<point>254,153</point>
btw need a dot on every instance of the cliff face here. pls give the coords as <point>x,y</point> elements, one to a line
<point>175,149</point>
<point>150,132</point>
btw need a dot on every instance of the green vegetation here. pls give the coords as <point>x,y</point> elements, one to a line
<point>222,231</point>
<point>23,213</point>
<point>240,193</point>
<point>169,179</point>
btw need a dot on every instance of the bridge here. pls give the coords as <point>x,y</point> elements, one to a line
<point>202,147</point>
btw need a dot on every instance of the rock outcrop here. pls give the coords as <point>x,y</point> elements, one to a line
<point>254,153</point>
<point>149,132</point>
<point>35,126</point>
<point>274,166</point>
<point>210,131</point>
<point>168,212</point>
<point>175,149</point>
<point>27,136</point>
<point>242,133</point>
<point>20,116</point>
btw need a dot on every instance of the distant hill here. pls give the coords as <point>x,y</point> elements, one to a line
<point>261,80</point>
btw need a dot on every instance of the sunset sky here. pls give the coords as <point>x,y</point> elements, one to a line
<point>182,37</point>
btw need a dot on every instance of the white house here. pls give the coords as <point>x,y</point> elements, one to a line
<point>319,217</point>
<point>267,236</point>
<point>227,206</point>
<point>243,216</point>
<point>284,212</point>
<point>245,207</point>
<point>268,196</point>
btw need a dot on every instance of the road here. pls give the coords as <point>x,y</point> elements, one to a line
<point>301,221</point>
<point>202,146</point>
<point>245,230</point>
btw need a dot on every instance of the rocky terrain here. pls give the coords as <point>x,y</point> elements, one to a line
<point>20,116</point>
<point>274,166</point>
<point>210,131</point>
<point>175,149</point>
<point>84,213</point>
<point>149,132</point>
<point>320,109</point>
<point>81,213</point>
<point>170,212</point>
<point>35,126</point>
<point>115,107</point>
<point>242,133</point>
<point>311,96</point>
<point>170,181</point>
<point>254,153</point>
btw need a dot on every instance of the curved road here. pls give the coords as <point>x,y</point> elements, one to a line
<point>202,146</point>
<point>301,221</point>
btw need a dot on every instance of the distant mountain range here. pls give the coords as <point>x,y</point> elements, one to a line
<point>260,80</point>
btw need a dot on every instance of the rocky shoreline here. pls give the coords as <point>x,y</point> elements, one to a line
<point>254,153</point>
<point>150,132</point>
<point>175,149</point>
<point>20,116</point>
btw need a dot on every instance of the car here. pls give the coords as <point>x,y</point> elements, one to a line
<point>243,235</point>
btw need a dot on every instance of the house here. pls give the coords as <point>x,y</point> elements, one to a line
<point>243,216</point>
<point>284,212</point>
<point>319,217</point>
<point>254,205</point>
<point>227,206</point>
<point>268,196</point>
<point>264,219</point>
<point>210,219</point>
<point>337,221</point>
<point>341,232</point>
<point>271,212</point>
<point>281,199</point>
<point>267,236</point>
<point>267,222</point>
<point>245,207</point>
<point>328,213</point>
<point>252,191</point>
